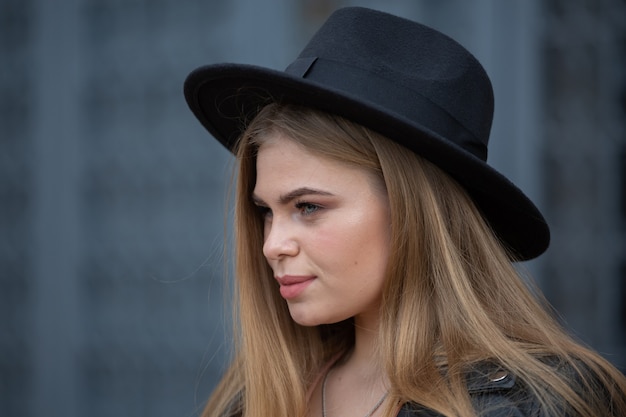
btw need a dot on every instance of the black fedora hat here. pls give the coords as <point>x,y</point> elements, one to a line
<point>402,79</point>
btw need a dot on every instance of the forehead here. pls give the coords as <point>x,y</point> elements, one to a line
<point>283,164</point>
<point>278,154</point>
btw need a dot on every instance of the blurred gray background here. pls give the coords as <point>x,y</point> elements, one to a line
<point>112,195</point>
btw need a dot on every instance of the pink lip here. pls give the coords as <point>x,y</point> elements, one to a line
<point>292,286</point>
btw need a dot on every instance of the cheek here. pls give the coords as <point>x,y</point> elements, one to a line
<point>353,244</point>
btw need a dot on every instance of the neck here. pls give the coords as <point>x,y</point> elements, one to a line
<point>364,357</point>
<point>356,385</point>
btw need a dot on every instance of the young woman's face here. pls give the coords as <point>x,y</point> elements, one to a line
<point>327,232</point>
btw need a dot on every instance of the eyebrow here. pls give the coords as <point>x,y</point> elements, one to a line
<point>292,195</point>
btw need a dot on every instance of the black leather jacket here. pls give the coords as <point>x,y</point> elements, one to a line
<point>494,393</point>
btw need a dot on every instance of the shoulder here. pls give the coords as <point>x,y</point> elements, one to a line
<point>494,392</point>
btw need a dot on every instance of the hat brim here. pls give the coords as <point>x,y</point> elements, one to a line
<point>225,97</point>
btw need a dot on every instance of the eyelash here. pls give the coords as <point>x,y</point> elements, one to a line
<point>303,205</point>
<point>265,211</point>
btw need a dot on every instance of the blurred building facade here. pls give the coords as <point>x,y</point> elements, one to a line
<point>112,195</point>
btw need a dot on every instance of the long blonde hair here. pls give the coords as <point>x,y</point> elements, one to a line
<point>452,298</point>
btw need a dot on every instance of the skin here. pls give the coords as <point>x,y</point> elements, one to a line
<point>327,233</point>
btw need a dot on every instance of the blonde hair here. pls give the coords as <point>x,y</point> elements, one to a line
<point>452,298</point>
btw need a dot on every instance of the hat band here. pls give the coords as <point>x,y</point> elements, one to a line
<point>391,97</point>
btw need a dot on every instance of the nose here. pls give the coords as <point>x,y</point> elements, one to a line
<point>280,240</point>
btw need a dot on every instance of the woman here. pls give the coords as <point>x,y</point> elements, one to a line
<point>374,245</point>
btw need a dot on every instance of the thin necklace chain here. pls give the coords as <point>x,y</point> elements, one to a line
<point>369,414</point>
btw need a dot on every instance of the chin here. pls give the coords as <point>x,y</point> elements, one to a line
<point>306,319</point>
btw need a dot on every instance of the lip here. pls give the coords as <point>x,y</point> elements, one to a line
<point>292,286</point>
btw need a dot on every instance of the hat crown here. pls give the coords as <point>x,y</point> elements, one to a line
<point>413,56</point>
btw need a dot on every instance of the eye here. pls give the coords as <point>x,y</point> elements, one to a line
<point>307,209</point>
<point>264,211</point>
